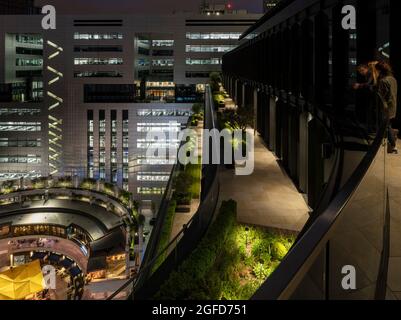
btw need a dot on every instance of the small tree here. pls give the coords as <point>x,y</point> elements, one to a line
<point>197,108</point>
<point>215,80</point>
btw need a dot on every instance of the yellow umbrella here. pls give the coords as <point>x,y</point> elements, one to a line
<point>17,283</point>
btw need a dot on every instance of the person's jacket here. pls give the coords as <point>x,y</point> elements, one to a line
<point>387,89</point>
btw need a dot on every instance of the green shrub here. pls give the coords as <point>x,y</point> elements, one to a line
<point>279,250</point>
<point>197,108</point>
<point>230,262</point>
<point>203,257</point>
<point>194,171</point>
<point>165,234</point>
<point>88,183</point>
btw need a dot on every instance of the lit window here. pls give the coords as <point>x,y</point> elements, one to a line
<point>150,190</point>
<point>98,61</point>
<point>162,43</point>
<point>20,126</point>
<point>97,36</point>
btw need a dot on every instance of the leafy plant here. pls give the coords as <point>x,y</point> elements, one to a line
<point>197,108</point>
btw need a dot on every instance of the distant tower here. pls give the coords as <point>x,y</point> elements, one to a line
<point>269,4</point>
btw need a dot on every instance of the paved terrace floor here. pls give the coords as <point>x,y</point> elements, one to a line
<point>266,198</point>
<point>394,268</point>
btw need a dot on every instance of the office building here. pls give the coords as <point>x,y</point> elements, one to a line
<point>80,100</point>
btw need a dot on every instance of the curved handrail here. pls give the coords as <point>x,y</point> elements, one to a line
<point>194,229</point>
<point>282,283</point>
<point>122,209</point>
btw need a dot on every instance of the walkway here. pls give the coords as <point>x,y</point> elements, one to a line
<point>266,198</point>
<point>394,270</point>
<point>181,219</point>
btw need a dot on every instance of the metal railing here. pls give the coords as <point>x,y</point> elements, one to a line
<point>147,282</point>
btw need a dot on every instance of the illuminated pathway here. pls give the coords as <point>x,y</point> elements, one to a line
<point>394,179</point>
<point>267,197</point>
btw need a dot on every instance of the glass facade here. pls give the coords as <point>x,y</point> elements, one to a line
<point>102,144</point>
<point>90,160</point>
<point>213,35</point>
<point>210,61</point>
<point>125,149</point>
<point>28,143</point>
<point>159,127</point>
<point>29,62</point>
<point>197,74</point>
<point>98,36</point>
<point>30,158</point>
<point>153,176</point>
<point>150,190</point>
<point>209,48</point>
<point>97,74</point>
<point>163,62</point>
<point>162,43</point>
<point>113,147</point>
<point>98,61</point>
<point>19,112</point>
<point>163,113</point>
<point>98,48</point>
<point>29,39</point>
<point>20,126</point>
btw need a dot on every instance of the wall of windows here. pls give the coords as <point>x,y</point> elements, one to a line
<point>12,175</point>
<point>29,51</point>
<point>113,147</point>
<point>29,39</point>
<point>29,62</point>
<point>213,35</point>
<point>153,176</point>
<point>28,73</point>
<point>209,48</point>
<point>102,144</point>
<point>160,53</point>
<point>20,126</point>
<point>90,144</point>
<point>143,62</point>
<point>98,36</point>
<point>150,190</point>
<point>163,113</point>
<point>125,149</point>
<point>143,51</point>
<point>163,63</point>
<point>162,43</point>
<point>20,143</point>
<point>211,61</point>
<point>159,127</point>
<point>30,158</point>
<point>197,74</point>
<point>151,143</point>
<point>98,48</point>
<point>142,160</point>
<point>19,112</point>
<point>97,74</point>
<point>109,93</point>
<point>98,61</point>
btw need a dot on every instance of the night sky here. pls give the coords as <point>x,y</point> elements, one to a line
<point>140,6</point>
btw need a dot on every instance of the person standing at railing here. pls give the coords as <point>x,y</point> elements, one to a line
<point>369,113</point>
<point>387,88</point>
